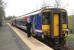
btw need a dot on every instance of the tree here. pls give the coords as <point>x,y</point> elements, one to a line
<point>57,3</point>
<point>2,12</point>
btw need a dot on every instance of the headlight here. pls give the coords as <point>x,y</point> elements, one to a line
<point>65,30</point>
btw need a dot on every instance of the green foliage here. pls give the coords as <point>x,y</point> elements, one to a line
<point>10,18</point>
<point>2,13</point>
<point>70,21</point>
<point>70,37</point>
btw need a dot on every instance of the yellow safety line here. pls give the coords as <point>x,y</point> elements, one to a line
<point>27,42</point>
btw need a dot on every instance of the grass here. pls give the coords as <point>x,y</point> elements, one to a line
<point>70,37</point>
<point>70,21</point>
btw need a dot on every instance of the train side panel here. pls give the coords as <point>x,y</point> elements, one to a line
<point>36,25</point>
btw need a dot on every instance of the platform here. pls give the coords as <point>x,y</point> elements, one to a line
<point>10,41</point>
<point>32,43</point>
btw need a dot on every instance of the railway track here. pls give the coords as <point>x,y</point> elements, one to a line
<point>65,47</point>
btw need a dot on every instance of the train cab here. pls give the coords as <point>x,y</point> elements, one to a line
<point>54,25</point>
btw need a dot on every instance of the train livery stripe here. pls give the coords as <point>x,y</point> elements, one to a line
<point>37,30</point>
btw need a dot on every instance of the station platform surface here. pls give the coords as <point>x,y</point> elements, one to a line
<point>10,41</point>
<point>12,38</point>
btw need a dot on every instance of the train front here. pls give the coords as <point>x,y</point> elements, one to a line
<point>54,26</point>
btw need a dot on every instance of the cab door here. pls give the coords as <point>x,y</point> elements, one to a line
<point>56,25</point>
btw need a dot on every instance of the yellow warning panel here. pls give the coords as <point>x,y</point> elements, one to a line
<point>45,27</point>
<point>64,27</point>
<point>56,25</point>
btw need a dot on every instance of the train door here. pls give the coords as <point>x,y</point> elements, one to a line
<point>56,25</point>
<point>33,25</point>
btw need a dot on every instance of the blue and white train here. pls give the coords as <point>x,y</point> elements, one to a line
<point>50,24</point>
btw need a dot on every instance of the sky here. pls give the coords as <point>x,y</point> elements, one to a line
<point>20,7</point>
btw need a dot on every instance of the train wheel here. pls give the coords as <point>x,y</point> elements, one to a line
<point>46,39</point>
<point>63,41</point>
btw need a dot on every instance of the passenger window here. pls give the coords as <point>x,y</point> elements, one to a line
<point>46,18</point>
<point>64,18</point>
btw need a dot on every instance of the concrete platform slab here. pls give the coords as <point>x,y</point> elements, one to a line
<point>10,41</point>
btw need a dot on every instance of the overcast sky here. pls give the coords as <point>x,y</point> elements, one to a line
<point>20,7</point>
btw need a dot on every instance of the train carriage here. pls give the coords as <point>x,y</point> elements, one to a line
<point>50,24</point>
<point>36,25</point>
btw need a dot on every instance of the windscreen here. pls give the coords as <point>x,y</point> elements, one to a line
<point>46,18</point>
<point>64,18</point>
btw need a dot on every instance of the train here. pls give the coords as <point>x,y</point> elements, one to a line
<point>49,24</point>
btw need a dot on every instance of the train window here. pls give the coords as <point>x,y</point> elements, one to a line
<point>21,22</point>
<point>64,17</point>
<point>45,17</point>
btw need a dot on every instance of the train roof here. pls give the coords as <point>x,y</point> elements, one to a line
<point>53,10</point>
<point>43,10</point>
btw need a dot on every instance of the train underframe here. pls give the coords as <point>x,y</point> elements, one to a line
<point>53,42</point>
